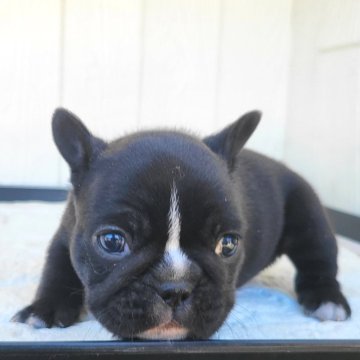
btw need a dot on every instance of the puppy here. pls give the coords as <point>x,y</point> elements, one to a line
<point>161,228</point>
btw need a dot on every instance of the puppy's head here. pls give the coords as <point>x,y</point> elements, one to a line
<point>157,240</point>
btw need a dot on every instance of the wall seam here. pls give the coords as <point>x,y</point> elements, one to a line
<point>141,62</point>
<point>289,80</point>
<point>219,63</point>
<point>61,73</point>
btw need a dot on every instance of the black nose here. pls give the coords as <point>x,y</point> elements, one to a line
<point>174,294</point>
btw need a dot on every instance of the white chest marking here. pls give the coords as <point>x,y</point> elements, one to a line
<point>174,256</point>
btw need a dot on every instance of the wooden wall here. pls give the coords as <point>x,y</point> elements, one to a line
<point>128,64</point>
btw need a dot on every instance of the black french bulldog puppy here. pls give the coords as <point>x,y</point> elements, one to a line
<point>162,227</point>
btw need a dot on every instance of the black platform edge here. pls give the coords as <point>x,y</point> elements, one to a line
<point>9,193</point>
<point>224,349</point>
<point>345,224</point>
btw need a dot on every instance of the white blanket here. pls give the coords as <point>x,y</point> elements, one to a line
<point>265,308</point>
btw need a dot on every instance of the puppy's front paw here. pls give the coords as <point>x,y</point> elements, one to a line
<point>325,304</point>
<point>330,311</point>
<point>45,314</point>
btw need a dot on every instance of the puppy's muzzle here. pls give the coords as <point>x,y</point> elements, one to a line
<point>177,295</point>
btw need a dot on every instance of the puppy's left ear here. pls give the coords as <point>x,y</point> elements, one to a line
<point>228,142</point>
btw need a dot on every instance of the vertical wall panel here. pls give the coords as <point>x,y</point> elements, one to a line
<point>336,132</point>
<point>254,59</point>
<point>29,91</point>
<point>323,131</point>
<point>102,55</point>
<point>180,64</point>
<point>338,22</point>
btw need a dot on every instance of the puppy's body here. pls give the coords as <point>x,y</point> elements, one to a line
<point>161,228</point>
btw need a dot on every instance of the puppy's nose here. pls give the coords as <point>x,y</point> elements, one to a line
<point>174,293</point>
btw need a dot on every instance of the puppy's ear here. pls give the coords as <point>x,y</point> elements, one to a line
<point>228,142</point>
<point>74,141</point>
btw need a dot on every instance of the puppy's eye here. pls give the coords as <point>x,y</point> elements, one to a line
<point>227,245</point>
<point>112,241</point>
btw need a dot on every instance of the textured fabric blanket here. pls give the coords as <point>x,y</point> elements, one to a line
<point>265,308</point>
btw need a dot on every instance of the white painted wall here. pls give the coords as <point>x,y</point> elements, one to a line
<point>128,64</point>
<point>29,90</point>
<point>323,129</point>
<point>122,65</point>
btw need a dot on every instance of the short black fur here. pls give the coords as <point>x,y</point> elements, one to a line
<point>127,185</point>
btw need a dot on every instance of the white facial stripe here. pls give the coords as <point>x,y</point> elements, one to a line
<point>173,254</point>
<point>178,262</point>
<point>173,242</point>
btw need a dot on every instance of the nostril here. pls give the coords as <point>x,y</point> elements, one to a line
<point>174,294</point>
<point>167,295</point>
<point>185,296</point>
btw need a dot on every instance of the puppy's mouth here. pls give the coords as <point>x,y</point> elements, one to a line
<point>168,331</point>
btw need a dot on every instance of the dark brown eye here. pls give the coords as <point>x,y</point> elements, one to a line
<point>227,245</point>
<point>112,241</point>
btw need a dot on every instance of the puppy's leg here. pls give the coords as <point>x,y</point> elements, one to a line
<point>311,245</point>
<point>59,298</point>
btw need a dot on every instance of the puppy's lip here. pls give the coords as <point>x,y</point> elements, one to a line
<point>171,330</point>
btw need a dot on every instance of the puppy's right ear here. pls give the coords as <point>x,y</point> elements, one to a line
<point>74,141</point>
